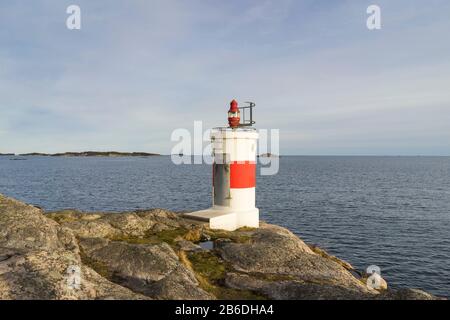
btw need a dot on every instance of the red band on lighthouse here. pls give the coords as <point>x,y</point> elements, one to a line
<point>243,174</point>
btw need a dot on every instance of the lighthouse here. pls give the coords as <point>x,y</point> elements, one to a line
<point>233,173</point>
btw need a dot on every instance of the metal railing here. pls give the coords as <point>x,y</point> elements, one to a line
<point>249,122</point>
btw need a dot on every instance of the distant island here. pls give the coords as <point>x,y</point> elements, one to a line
<point>91,154</point>
<point>6,154</point>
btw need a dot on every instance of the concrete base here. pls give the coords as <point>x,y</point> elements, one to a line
<point>226,219</point>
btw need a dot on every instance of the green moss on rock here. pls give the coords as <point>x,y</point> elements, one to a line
<point>208,265</point>
<point>211,271</point>
<point>170,236</point>
<point>235,236</point>
<point>97,266</point>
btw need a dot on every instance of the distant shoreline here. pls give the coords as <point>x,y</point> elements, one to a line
<point>86,154</point>
<point>146,154</point>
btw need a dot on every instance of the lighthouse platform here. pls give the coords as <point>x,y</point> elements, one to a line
<point>225,219</point>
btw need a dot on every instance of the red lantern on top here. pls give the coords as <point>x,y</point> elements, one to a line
<point>234,115</point>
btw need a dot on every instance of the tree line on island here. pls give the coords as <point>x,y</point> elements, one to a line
<point>86,154</point>
<point>105,154</point>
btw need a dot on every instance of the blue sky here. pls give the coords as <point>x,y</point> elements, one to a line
<point>137,70</point>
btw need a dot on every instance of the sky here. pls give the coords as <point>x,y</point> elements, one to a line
<point>139,69</point>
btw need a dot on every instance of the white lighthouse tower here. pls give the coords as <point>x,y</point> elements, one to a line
<point>234,175</point>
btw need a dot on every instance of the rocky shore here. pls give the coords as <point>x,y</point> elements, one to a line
<point>157,254</point>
